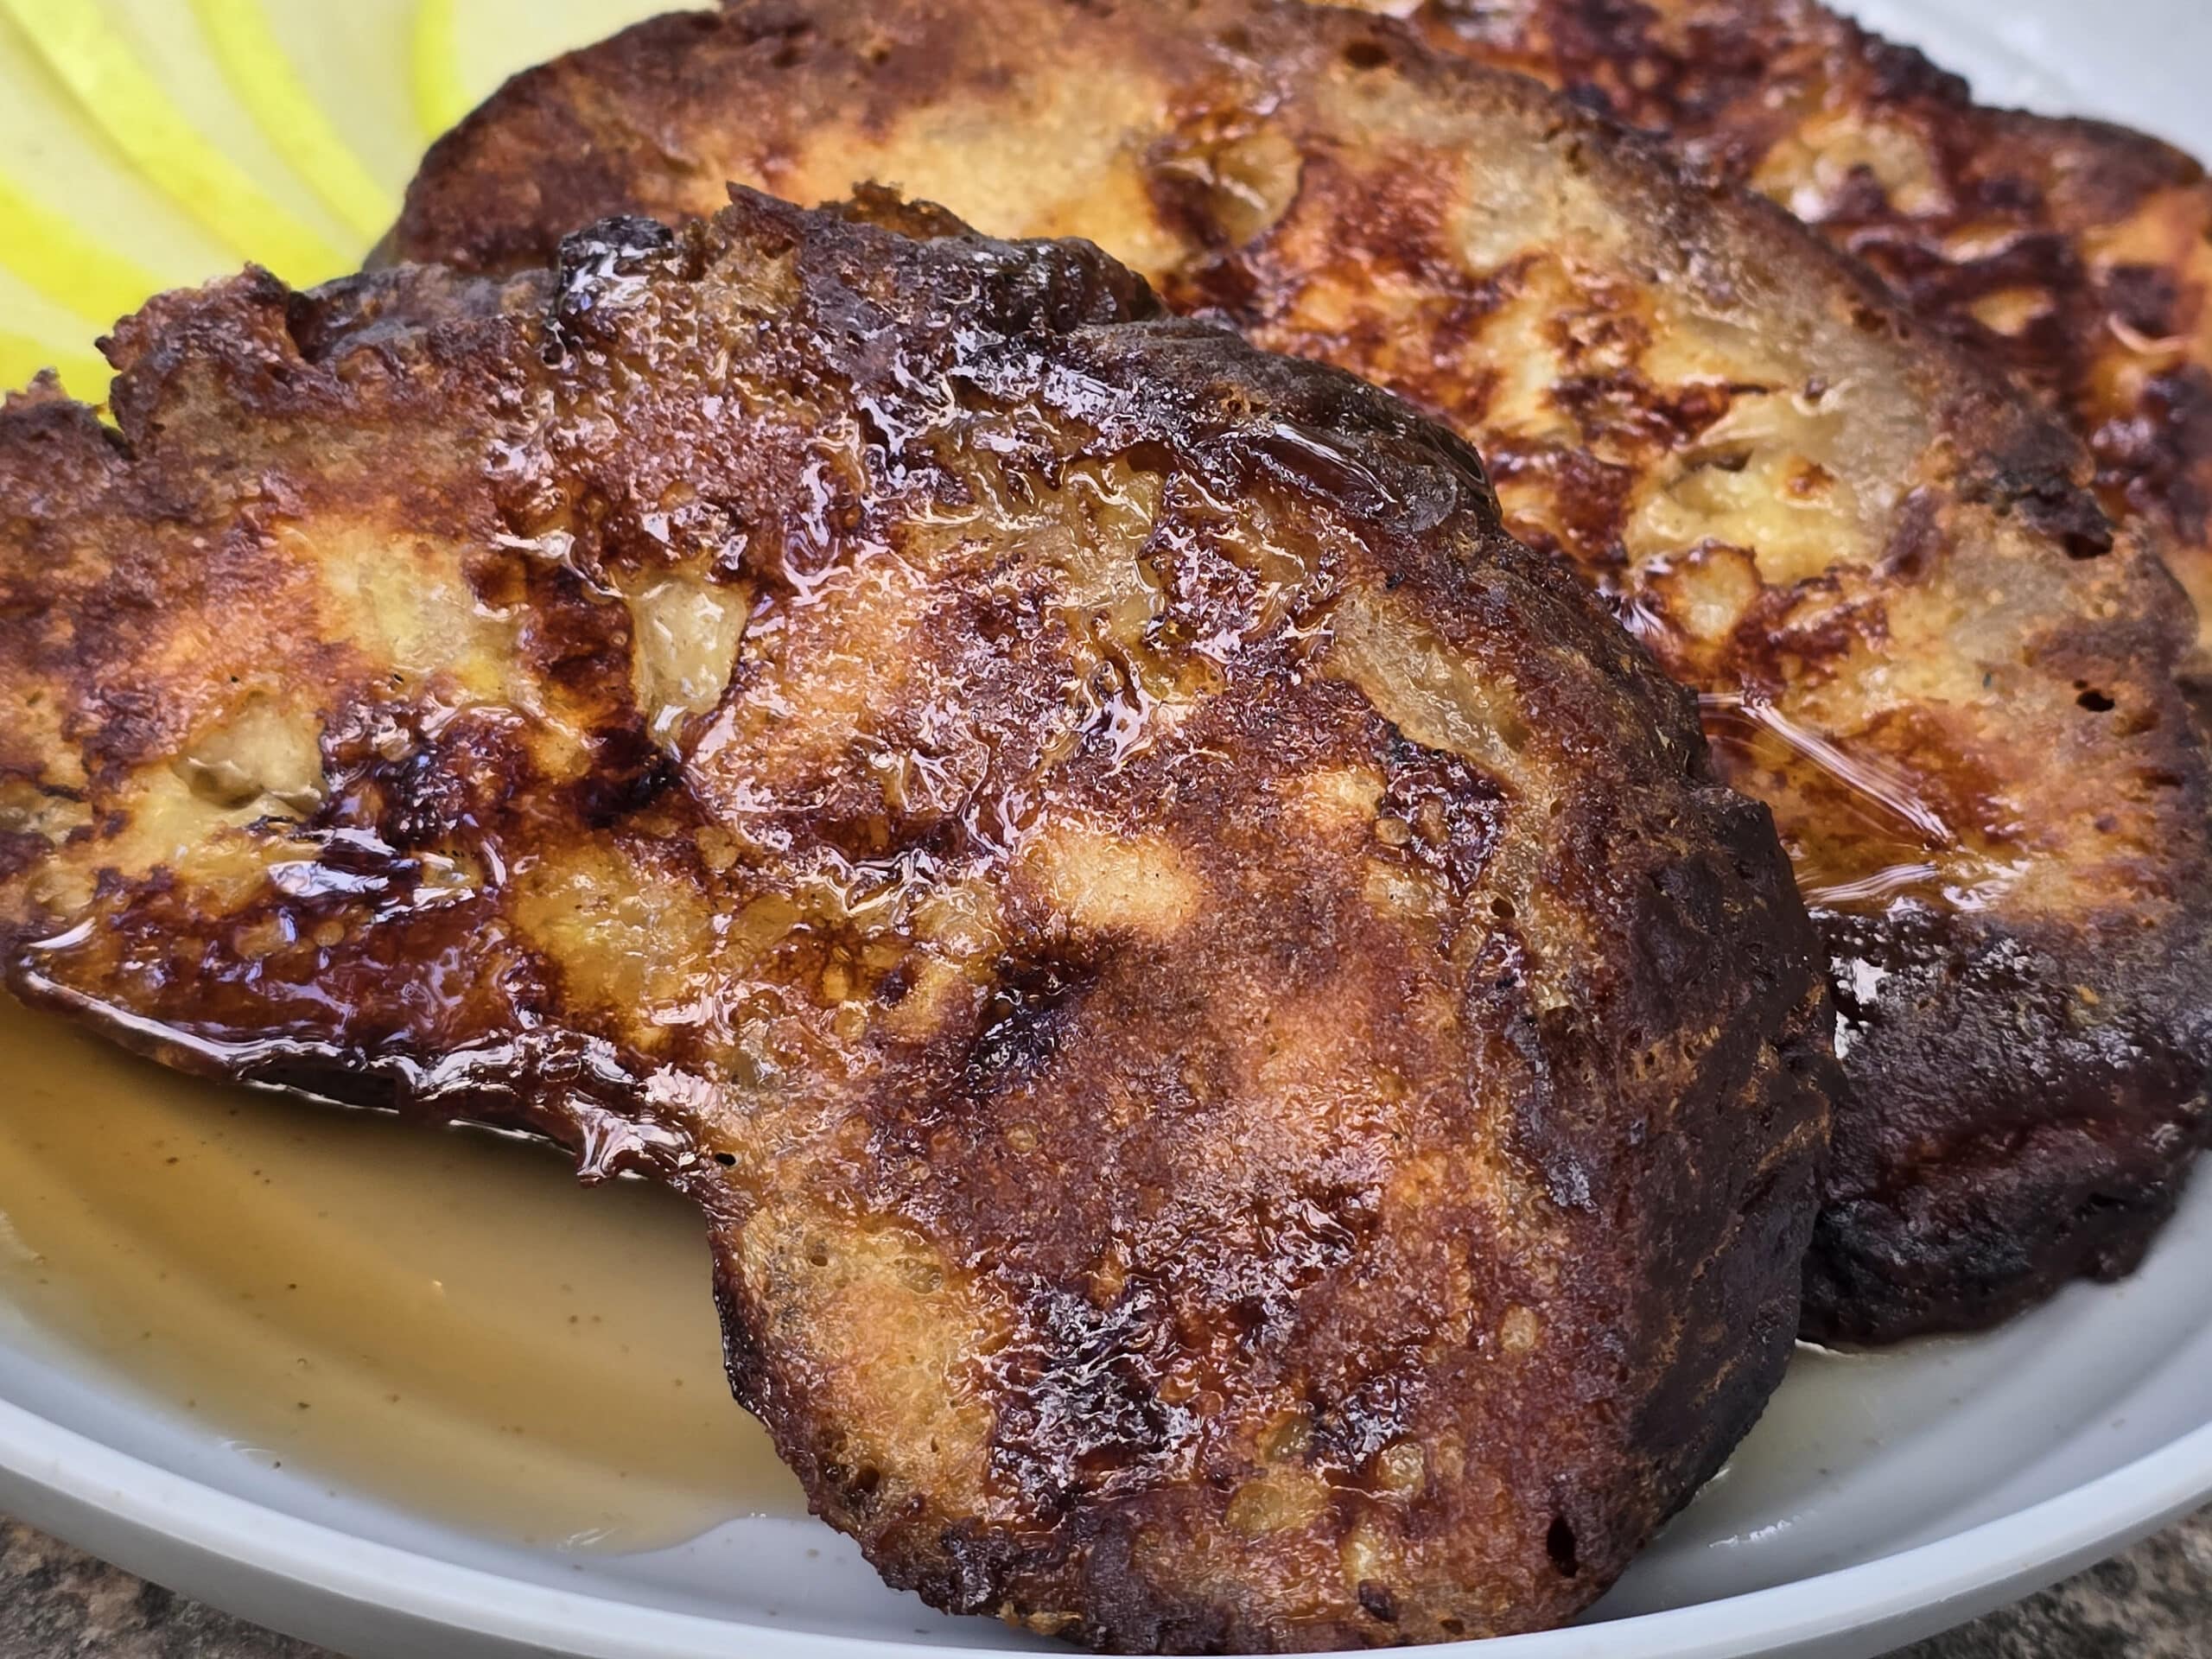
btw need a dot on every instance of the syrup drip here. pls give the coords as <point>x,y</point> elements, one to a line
<point>1881,840</point>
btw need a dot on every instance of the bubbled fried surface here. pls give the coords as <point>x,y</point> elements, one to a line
<point>1920,638</point>
<point>1251,1090</point>
<point>2076,254</point>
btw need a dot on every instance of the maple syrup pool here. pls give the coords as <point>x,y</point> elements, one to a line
<point>442,1319</point>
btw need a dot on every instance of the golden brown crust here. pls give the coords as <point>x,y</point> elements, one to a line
<point>2076,254</point>
<point>1922,641</point>
<point>1250,1089</point>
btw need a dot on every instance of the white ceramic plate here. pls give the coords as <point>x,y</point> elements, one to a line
<point>1881,1499</point>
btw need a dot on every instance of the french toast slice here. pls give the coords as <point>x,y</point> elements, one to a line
<point>1920,638</point>
<point>1250,1087</point>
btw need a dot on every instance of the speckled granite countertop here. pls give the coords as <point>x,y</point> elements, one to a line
<point>2154,1602</point>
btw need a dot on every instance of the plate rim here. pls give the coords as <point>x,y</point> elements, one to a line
<point>1942,1576</point>
<point>86,1482</point>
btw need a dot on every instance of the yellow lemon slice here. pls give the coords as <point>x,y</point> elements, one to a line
<point>146,145</point>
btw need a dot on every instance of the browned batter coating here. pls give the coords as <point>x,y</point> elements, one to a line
<point>2075,253</point>
<point>1921,640</point>
<point>1250,1089</point>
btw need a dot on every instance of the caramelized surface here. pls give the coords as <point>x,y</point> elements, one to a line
<point>1248,1088</point>
<point>1921,641</point>
<point>2075,253</point>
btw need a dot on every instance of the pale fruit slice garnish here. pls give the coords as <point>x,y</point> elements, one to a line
<point>148,144</point>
